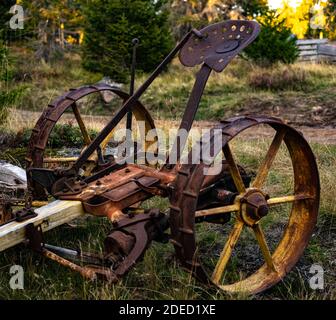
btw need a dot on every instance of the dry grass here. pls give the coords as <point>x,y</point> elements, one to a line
<point>243,88</point>
<point>158,276</point>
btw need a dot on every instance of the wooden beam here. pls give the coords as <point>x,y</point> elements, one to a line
<point>48,217</point>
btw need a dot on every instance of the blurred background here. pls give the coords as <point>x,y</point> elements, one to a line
<point>49,46</point>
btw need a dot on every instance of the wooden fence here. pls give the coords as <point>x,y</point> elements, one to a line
<point>316,50</point>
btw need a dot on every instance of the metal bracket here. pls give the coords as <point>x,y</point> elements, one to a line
<point>35,237</point>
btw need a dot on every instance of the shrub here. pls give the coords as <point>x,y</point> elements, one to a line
<point>275,42</point>
<point>62,135</point>
<point>109,29</point>
<point>278,78</point>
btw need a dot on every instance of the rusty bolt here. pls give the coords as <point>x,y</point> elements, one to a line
<point>262,210</point>
<point>131,215</point>
<point>115,224</point>
<point>171,186</point>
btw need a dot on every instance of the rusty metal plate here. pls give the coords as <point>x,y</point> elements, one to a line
<point>128,189</point>
<point>105,184</point>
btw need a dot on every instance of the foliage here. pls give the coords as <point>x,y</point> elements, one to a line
<point>190,13</point>
<point>330,12</point>
<point>46,20</point>
<point>275,42</point>
<point>62,135</point>
<point>305,20</point>
<point>110,27</point>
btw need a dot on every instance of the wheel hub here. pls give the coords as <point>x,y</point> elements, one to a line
<point>253,206</point>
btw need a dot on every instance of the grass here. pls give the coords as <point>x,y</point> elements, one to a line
<point>302,93</point>
<point>245,88</point>
<point>159,276</point>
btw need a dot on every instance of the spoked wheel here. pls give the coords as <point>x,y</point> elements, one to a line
<point>279,207</point>
<point>37,156</point>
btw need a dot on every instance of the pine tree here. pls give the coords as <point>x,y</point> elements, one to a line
<point>110,27</point>
<point>275,42</point>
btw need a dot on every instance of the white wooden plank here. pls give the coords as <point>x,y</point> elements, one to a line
<point>311,41</point>
<point>49,217</point>
<point>327,50</point>
<point>308,53</point>
<point>309,47</point>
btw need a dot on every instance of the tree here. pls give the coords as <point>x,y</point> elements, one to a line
<point>275,42</point>
<point>330,12</point>
<point>46,20</point>
<point>191,13</point>
<point>307,20</point>
<point>110,27</point>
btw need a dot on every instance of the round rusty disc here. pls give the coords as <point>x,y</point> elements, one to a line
<point>219,44</point>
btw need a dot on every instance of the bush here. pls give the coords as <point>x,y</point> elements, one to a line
<point>62,135</point>
<point>109,29</point>
<point>279,78</point>
<point>275,42</point>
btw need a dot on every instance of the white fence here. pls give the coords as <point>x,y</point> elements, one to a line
<point>316,50</point>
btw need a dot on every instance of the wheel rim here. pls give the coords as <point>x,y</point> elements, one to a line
<point>303,216</point>
<point>40,134</point>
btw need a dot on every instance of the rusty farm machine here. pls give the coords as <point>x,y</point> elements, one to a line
<point>199,205</point>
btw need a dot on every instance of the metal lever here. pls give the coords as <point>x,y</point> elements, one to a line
<point>135,43</point>
<point>197,33</point>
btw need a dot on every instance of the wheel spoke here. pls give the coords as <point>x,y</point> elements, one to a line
<point>60,160</point>
<point>263,245</point>
<point>107,139</point>
<point>233,168</point>
<point>267,162</point>
<point>86,137</point>
<point>287,199</point>
<point>218,210</point>
<point>227,251</point>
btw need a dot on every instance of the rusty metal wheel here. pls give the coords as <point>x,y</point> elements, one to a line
<point>259,206</point>
<point>36,153</point>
